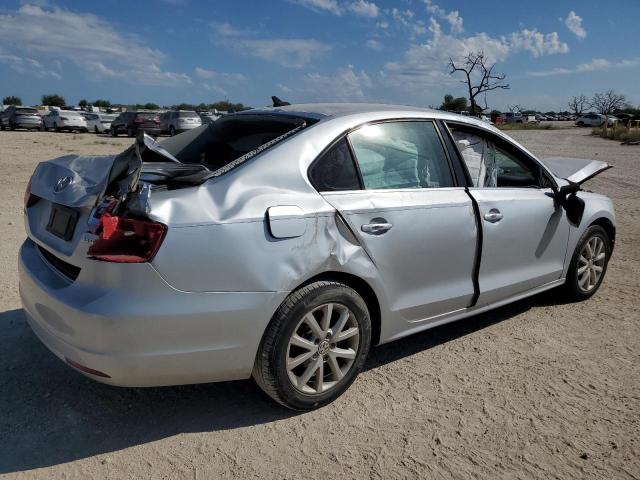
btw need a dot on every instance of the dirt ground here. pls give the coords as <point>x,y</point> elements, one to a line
<point>538,389</point>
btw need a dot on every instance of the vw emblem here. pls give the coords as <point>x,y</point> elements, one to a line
<point>62,183</point>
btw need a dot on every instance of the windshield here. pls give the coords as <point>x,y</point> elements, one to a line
<point>147,115</point>
<point>27,110</point>
<point>188,115</point>
<point>68,113</point>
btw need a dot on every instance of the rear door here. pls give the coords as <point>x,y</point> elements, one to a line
<point>415,223</point>
<point>524,231</point>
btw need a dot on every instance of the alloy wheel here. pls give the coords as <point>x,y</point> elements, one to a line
<point>591,263</point>
<point>322,348</point>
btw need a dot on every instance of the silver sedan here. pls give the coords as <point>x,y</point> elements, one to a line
<point>284,243</point>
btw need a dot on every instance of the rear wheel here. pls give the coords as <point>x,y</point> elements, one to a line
<point>581,124</point>
<point>130,131</point>
<point>55,127</point>
<point>314,347</point>
<point>589,263</point>
<point>95,130</point>
<point>172,131</point>
<point>114,131</point>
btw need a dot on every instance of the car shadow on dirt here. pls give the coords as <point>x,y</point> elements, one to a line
<point>52,414</point>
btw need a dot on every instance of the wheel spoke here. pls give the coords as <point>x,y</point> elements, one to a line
<point>343,353</point>
<point>589,249</point>
<point>320,377</point>
<point>583,279</point>
<point>582,269</point>
<point>600,257</point>
<point>583,260</point>
<point>326,319</point>
<point>313,325</point>
<point>347,334</point>
<point>342,320</point>
<point>308,373</point>
<point>298,341</point>
<point>300,359</point>
<point>335,368</point>
<point>597,268</point>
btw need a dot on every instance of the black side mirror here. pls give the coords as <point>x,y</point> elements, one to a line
<point>572,204</point>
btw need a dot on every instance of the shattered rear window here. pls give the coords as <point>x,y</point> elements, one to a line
<point>233,139</point>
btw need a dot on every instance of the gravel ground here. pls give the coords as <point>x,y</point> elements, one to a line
<point>538,389</point>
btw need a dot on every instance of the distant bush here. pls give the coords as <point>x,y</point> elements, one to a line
<point>622,133</point>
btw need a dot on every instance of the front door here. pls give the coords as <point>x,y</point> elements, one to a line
<point>524,231</point>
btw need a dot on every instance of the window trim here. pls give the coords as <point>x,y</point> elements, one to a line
<point>345,135</point>
<point>504,144</point>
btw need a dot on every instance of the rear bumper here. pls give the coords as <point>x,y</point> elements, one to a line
<point>144,333</point>
<point>150,131</point>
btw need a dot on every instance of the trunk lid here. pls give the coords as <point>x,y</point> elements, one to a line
<point>575,170</point>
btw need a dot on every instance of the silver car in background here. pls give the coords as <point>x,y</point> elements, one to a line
<point>69,120</point>
<point>284,243</point>
<point>179,121</point>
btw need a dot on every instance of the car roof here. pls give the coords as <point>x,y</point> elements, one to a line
<point>322,111</point>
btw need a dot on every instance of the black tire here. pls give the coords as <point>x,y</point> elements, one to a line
<point>114,131</point>
<point>55,127</point>
<point>12,127</point>
<point>1,127</point>
<point>572,286</point>
<point>130,132</point>
<point>172,131</point>
<point>95,130</point>
<point>580,124</point>
<point>270,370</point>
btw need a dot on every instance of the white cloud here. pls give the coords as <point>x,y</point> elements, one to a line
<point>26,65</point>
<point>324,5</point>
<point>594,65</point>
<point>536,43</point>
<point>220,76</point>
<point>344,85</point>
<point>574,24</point>
<point>455,21</point>
<point>364,8</point>
<point>86,40</point>
<point>287,52</point>
<point>374,44</point>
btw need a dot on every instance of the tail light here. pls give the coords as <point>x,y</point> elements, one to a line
<point>127,240</point>
<point>138,120</point>
<point>29,198</point>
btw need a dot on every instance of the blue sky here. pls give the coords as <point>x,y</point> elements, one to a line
<point>315,50</point>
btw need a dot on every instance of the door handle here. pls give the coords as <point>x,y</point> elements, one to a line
<point>493,215</point>
<point>376,228</point>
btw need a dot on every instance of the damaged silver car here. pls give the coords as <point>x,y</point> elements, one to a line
<point>284,243</point>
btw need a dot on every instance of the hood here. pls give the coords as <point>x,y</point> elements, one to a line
<point>575,170</point>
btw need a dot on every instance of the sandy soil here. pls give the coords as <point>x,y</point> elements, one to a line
<point>538,389</point>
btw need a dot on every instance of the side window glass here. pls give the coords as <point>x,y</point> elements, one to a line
<point>491,166</point>
<point>335,170</point>
<point>401,155</point>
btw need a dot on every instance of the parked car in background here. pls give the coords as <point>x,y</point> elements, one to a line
<point>68,120</point>
<point>133,122</point>
<point>99,122</point>
<point>14,117</point>
<point>178,121</point>
<point>531,119</point>
<point>208,117</point>
<point>595,120</point>
<point>284,243</point>
<point>514,117</point>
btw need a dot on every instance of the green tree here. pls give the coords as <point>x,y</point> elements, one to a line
<point>150,106</point>
<point>83,103</point>
<point>454,104</point>
<point>12,100</point>
<point>102,103</point>
<point>227,106</point>
<point>53,100</point>
<point>183,106</point>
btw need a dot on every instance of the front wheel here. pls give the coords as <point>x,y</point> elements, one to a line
<point>172,131</point>
<point>315,346</point>
<point>589,263</point>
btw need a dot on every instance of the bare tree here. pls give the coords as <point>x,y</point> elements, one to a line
<point>479,77</point>
<point>608,102</point>
<point>579,104</point>
<point>515,108</point>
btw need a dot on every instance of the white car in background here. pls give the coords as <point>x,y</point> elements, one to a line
<point>99,122</point>
<point>178,121</point>
<point>595,120</point>
<point>59,120</point>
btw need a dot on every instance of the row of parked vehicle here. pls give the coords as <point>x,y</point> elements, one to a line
<point>129,123</point>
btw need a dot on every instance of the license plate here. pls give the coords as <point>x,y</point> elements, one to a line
<point>62,221</point>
